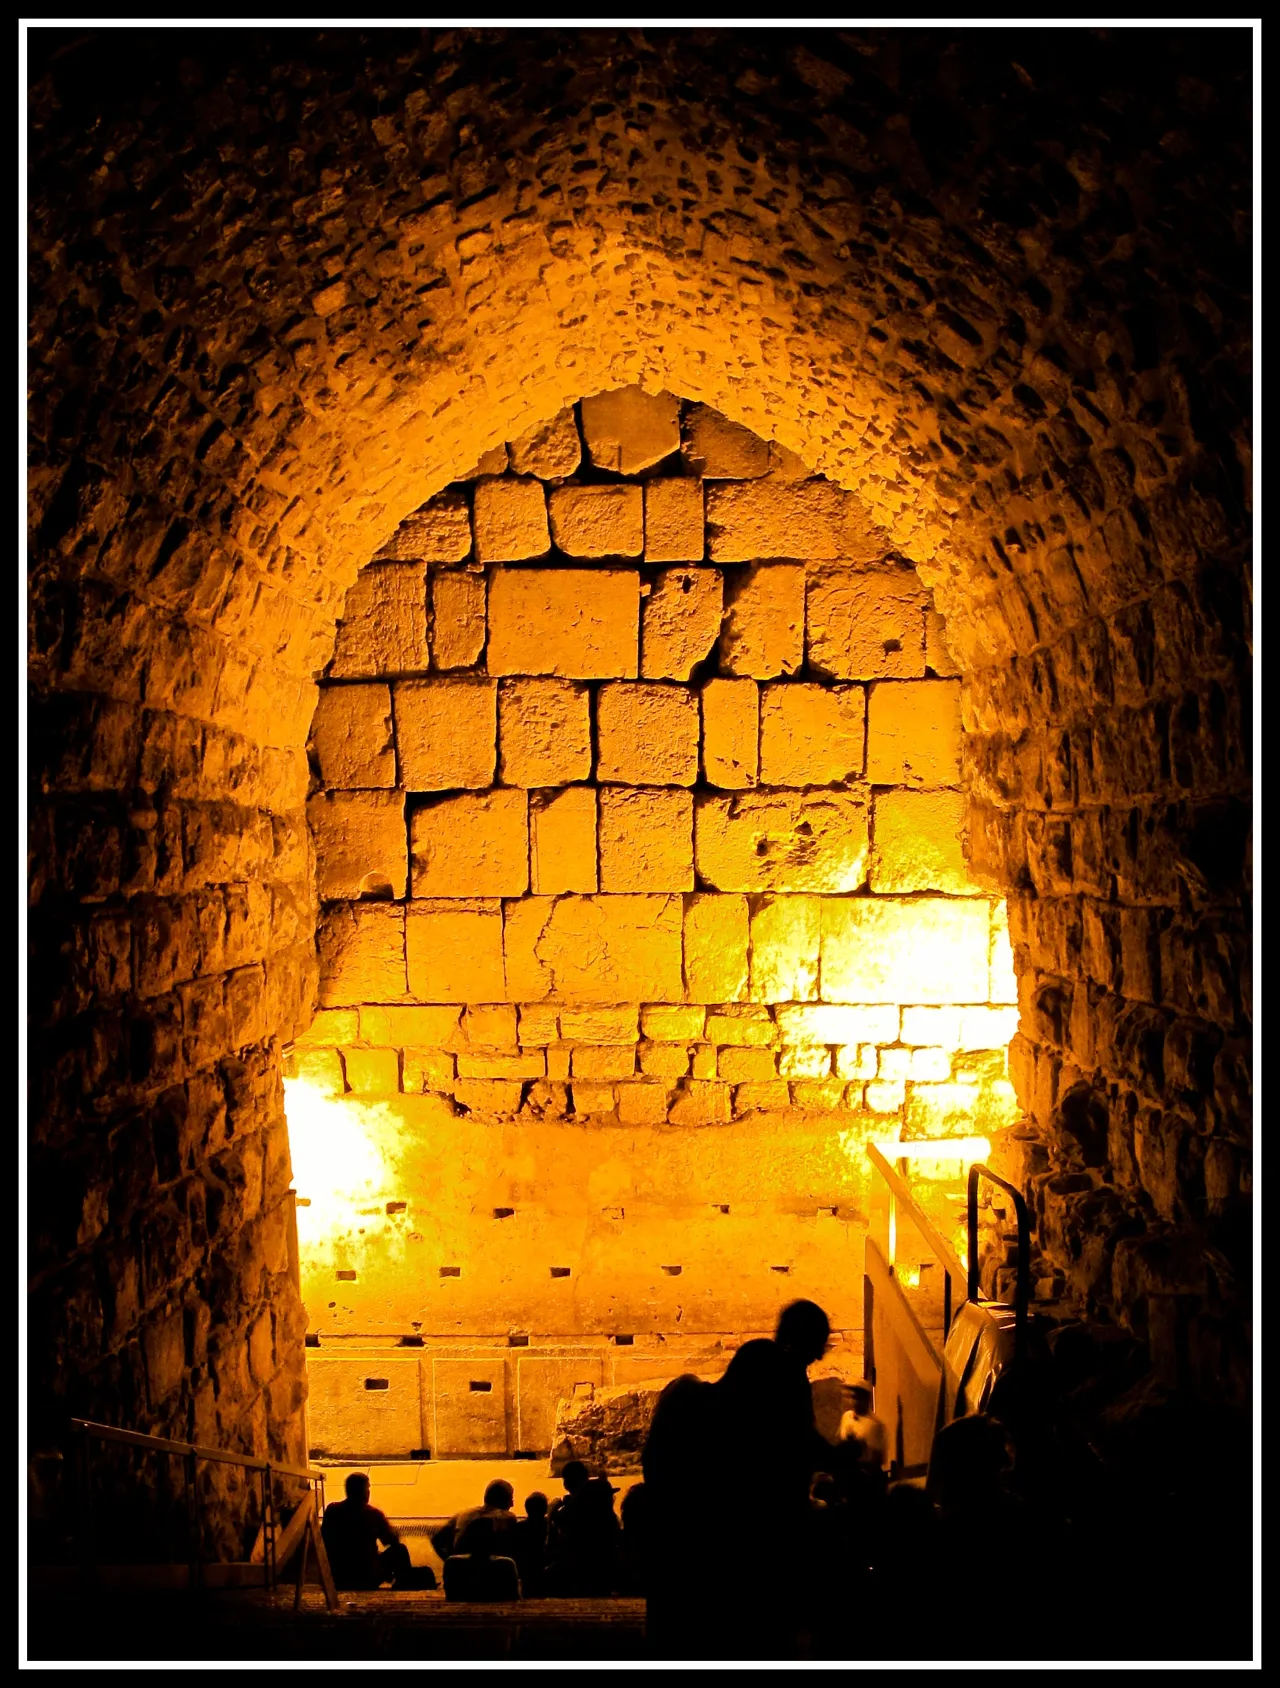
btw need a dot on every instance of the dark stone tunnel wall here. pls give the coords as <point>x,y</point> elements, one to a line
<point>283,288</point>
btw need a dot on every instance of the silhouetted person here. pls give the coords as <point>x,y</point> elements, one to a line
<point>633,1560</point>
<point>531,1544</point>
<point>455,1535</point>
<point>352,1530</point>
<point>584,1538</point>
<point>480,1574</point>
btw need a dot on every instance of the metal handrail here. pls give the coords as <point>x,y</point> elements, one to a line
<point>1022,1285</point>
<point>189,1453</point>
<point>901,1191</point>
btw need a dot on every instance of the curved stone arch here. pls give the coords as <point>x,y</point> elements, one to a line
<point>235,398</point>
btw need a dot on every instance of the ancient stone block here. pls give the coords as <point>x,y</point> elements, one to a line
<point>660,1060</point>
<point>819,1095</point>
<point>629,430</point>
<point>457,617</point>
<point>552,451</point>
<point>866,625</point>
<point>828,1023</point>
<point>917,950</point>
<point>592,1098</point>
<point>383,629</point>
<point>647,735</point>
<point>488,1095</point>
<point>433,1025</point>
<point>785,940</point>
<point>697,1103</point>
<point>805,1061</point>
<point>372,1072</point>
<point>642,1104</point>
<point>857,1061</point>
<point>440,532</point>
<point>885,1098</point>
<point>579,623</point>
<point>675,1025</point>
<point>509,517</point>
<point>319,1067</point>
<point>454,951</point>
<point>764,621</point>
<point>351,736</point>
<point>529,1063</point>
<point>330,1027</point>
<point>595,949</point>
<point>760,1098</point>
<point>933,1025</point>
<point>646,839</point>
<point>913,732</point>
<point>360,843</point>
<point>544,732</point>
<point>781,841</point>
<point>673,522</point>
<point>775,518</point>
<point>918,842</point>
<point>742,1028</point>
<point>598,521</point>
<point>679,622</point>
<point>539,1023</point>
<point>811,735</point>
<point>721,450</point>
<point>599,1024</point>
<point>362,956</point>
<point>488,1025</point>
<point>472,845</point>
<point>562,840</point>
<point>703,1062</point>
<point>610,1061</point>
<point>446,733</point>
<point>737,1065</point>
<point>716,941</point>
<point>986,1028</point>
<point>730,733</point>
<point>422,1070</point>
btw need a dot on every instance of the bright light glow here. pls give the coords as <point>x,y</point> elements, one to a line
<point>345,1169</point>
<point>937,1149</point>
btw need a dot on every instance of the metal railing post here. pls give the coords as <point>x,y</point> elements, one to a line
<point>1022,1282</point>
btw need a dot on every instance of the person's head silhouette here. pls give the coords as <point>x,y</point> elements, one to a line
<point>575,1477</point>
<point>804,1331</point>
<point>499,1495</point>
<point>357,1488</point>
<point>535,1505</point>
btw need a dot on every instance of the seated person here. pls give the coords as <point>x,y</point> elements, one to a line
<point>352,1530</point>
<point>531,1544</point>
<point>584,1547</point>
<point>453,1536</point>
<point>478,1574</point>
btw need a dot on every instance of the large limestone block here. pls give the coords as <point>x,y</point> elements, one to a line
<point>811,735</point>
<point>579,623</point>
<point>457,617</point>
<point>509,516</point>
<point>750,520</point>
<point>454,951</point>
<point>782,841</point>
<point>785,942</point>
<point>643,1104</point>
<point>352,738</point>
<point>835,1023</point>
<point>446,733</point>
<point>472,845</point>
<point>430,1026</point>
<point>544,732</point>
<point>764,621</point>
<point>904,950</point>
<point>730,733</point>
<point>680,622</point>
<point>613,1061</point>
<point>676,1024</point>
<point>606,1428</point>
<point>717,939</point>
<point>594,949</point>
<point>646,839</point>
<point>937,654</point>
<point>360,843</point>
<point>552,451</point>
<point>440,532</point>
<point>383,629</point>
<point>919,838</point>
<point>913,732</point>
<point>647,735</point>
<point>362,954</point>
<point>601,1025</point>
<point>562,840</point>
<point>372,1072</point>
<point>866,625</point>
<point>629,430</point>
<point>742,1028</point>
<point>696,1103</point>
<point>598,521</point>
<point>721,450</point>
<point>673,522</point>
<point>739,1065</point>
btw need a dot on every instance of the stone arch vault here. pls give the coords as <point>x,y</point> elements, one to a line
<point>283,288</point>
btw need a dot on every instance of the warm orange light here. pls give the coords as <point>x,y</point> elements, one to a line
<point>937,1149</point>
<point>344,1169</point>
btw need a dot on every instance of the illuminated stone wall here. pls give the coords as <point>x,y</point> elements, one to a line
<point>638,823</point>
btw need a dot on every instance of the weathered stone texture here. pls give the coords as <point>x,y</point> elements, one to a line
<point>648,735</point>
<point>578,623</point>
<point>440,532</point>
<point>680,622</point>
<point>630,430</point>
<point>384,624</point>
<point>472,845</point>
<point>360,843</point>
<point>457,617</point>
<point>597,521</point>
<point>811,735</point>
<point>764,621</point>
<point>510,520</point>
<point>351,737</point>
<point>673,522</point>
<point>646,839</point>
<point>552,451</point>
<point>562,841</point>
<point>446,733</point>
<point>544,732</point>
<point>782,841</point>
<point>730,733</point>
<point>865,624</point>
